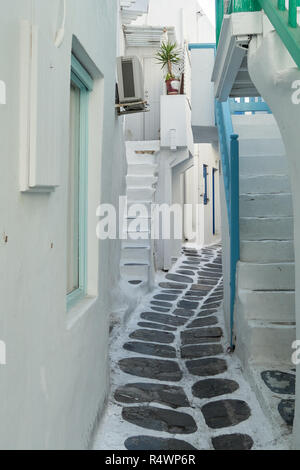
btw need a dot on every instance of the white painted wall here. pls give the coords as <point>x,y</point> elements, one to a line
<point>57,375</point>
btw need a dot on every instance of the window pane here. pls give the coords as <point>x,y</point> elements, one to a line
<point>73,193</point>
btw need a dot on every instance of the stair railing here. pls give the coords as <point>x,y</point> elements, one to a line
<point>284,20</point>
<point>229,149</point>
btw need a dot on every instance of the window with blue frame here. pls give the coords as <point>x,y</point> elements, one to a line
<point>80,87</point>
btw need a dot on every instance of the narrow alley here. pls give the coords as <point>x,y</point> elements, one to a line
<point>175,385</point>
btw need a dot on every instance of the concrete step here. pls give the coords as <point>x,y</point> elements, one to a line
<point>269,305</point>
<point>261,147</point>
<point>263,205</point>
<point>273,276</point>
<point>137,181</point>
<point>135,272</point>
<point>267,184</point>
<point>142,169</point>
<point>140,194</point>
<point>142,158</point>
<point>266,228</point>
<point>259,166</point>
<point>136,255</point>
<point>267,251</point>
<point>130,243</point>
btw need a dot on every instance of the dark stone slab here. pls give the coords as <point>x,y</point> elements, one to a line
<point>200,322</point>
<point>209,305</point>
<point>233,442</point>
<point>150,349</point>
<point>155,326</point>
<point>164,319</point>
<point>279,382</point>
<point>160,419</point>
<point>211,388</point>
<point>209,282</point>
<point>185,272</point>
<point>175,292</point>
<point>153,336</point>
<point>216,298</point>
<point>207,274</point>
<point>199,351</point>
<point>225,413</point>
<point>182,312</point>
<point>172,285</point>
<point>188,305</point>
<point>193,336</point>
<point>191,262</point>
<point>207,367</point>
<point>196,293</point>
<point>201,287</point>
<point>286,410</point>
<point>215,266</point>
<point>206,313</point>
<point>158,309</point>
<point>161,304</point>
<point>168,297</point>
<point>151,368</point>
<point>174,397</point>
<point>179,278</point>
<point>156,443</point>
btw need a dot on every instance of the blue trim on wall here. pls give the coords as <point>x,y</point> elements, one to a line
<point>202,46</point>
<point>214,170</point>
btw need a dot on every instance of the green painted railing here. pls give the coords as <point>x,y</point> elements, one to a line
<point>283,19</point>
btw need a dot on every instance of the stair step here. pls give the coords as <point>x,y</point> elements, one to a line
<point>273,276</point>
<point>131,244</point>
<point>140,194</point>
<point>138,181</point>
<point>267,305</point>
<point>267,251</point>
<point>142,169</point>
<point>263,205</point>
<point>267,184</point>
<point>135,272</point>
<point>135,255</point>
<point>136,158</point>
<point>266,228</point>
<point>263,147</point>
<point>258,166</point>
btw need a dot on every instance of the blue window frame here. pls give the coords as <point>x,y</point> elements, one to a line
<point>80,87</point>
<point>214,199</point>
<point>205,175</point>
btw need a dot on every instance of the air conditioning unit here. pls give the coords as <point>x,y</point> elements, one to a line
<point>130,81</point>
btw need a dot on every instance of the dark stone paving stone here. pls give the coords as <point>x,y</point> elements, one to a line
<point>233,442</point>
<point>286,410</point>
<point>209,305</point>
<point>179,278</point>
<point>175,292</point>
<point>201,287</point>
<point>156,326</point>
<point>196,293</point>
<point>182,312</point>
<point>160,419</point>
<point>279,382</point>
<point>199,351</point>
<point>188,305</point>
<point>206,312</point>
<point>156,443</point>
<point>161,304</point>
<point>195,336</point>
<point>209,282</point>
<point>214,265</point>
<point>172,285</point>
<point>209,275</point>
<point>168,297</point>
<point>200,322</point>
<point>157,369</point>
<point>207,367</point>
<point>185,272</point>
<point>164,319</point>
<point>225,413</point>
<point>150,349</point>
<point>192,263</point>
<point>158,309</point>
<point>153,336</point>
<point>174,397</point>
<point>211,388</point>
<point>216,298</point>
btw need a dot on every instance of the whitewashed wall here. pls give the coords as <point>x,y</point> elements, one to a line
<point>57,374</point>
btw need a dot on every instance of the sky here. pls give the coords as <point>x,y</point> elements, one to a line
<point>209,8</point>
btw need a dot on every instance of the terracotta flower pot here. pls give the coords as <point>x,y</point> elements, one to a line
<point>173,86</point>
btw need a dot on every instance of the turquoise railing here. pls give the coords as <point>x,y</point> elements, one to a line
<point>252,105</point>
<point>283,19</point>
<point>229,150</point>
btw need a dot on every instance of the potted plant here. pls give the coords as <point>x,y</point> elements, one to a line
<point>169,55</point>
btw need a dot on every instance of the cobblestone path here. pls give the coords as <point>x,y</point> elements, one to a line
<point>174,385</point>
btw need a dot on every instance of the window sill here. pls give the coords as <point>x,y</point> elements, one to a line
<point>78,310</point>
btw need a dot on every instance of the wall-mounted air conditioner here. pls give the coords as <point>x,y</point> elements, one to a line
<point>130,80</point>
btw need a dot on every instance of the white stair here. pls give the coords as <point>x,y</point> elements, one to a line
<point>265,306</point>
<point>136,261</point>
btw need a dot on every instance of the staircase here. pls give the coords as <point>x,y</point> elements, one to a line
<point>265,306</point>
<point>137,269</point>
